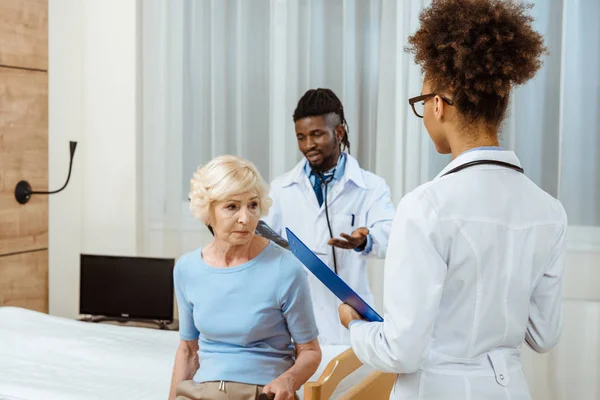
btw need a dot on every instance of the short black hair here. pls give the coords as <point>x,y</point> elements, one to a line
<point>323,102</point>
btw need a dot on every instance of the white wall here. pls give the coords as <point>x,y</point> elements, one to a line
<point>93,99</point>
<point>572,368</point>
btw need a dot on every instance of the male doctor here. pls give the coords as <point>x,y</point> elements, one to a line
<point>335,207</point>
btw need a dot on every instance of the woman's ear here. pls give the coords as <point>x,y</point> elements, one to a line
<point>209,219</point>
<point>439,107</point>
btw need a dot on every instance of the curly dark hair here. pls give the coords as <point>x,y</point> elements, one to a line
<point>477,50</point>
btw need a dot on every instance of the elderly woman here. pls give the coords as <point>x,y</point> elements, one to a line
<point>246,320</point>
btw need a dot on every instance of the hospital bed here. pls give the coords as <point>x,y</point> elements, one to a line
<point>43,357</point>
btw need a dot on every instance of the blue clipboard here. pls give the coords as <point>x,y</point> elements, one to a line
<point>330,278</point>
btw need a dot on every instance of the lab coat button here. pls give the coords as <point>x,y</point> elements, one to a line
<point>501,377</point>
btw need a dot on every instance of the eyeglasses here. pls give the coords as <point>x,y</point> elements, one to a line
<point>418,103</point>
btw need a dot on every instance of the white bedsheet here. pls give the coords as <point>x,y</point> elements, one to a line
<point>50,358</point>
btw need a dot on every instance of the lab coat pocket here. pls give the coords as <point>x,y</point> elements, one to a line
<point>345,223</point>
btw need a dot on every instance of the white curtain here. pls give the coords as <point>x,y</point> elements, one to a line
<point>403,146</point>
<point>555,129</point>
<point>246,63</point>
<point>555,122</point>
<point>224,76</point>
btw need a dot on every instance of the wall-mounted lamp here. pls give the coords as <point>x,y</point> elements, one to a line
<point>23,190</point>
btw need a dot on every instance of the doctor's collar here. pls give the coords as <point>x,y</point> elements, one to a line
<point>352,172</point>
<point>338,169</point>
<point>506,156</point>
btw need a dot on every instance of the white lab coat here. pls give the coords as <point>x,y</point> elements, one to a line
<point>359,193</point>
<point>473,270</point>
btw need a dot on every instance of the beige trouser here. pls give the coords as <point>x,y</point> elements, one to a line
<point>220,390</point>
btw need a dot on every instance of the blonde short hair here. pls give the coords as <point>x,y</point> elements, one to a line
<point>221,178</point>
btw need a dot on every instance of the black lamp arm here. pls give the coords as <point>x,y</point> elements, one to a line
<point>63,187</point>
<point>23,189</point>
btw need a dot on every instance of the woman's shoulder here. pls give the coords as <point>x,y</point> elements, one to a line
<point>288,266</point>
<point>188,260</point>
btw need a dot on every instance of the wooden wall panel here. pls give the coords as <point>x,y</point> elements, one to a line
<point>24,34</point>
<point>23,155</point>
<point>24,280</point>
<point>24,152</point>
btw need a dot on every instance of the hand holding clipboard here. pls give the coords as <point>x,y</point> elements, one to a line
<point>330,278</point>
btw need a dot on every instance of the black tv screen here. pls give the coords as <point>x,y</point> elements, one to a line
<point>126,287</point>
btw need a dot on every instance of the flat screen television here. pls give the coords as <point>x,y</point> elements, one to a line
<point>126,287</point>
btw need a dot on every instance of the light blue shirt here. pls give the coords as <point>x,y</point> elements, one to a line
<point>246,316</point>
<point>340,168</point>
<point>483,148</point>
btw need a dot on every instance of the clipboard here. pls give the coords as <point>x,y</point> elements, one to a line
<point>330,278</point>
<point>264,230</point>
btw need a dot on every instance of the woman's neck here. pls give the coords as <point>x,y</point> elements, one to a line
<point>462,141</point>
<point>223,254</point>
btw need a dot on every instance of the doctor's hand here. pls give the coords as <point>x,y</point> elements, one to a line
<point>347,314</point>
<point>356,239</point>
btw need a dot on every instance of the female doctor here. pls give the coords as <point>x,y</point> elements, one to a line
<point>476,256</point>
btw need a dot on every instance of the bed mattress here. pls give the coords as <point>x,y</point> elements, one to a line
<point>43,357</point>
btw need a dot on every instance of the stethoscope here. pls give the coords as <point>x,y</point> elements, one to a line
<point>326,182</point>
<point>486,162</point>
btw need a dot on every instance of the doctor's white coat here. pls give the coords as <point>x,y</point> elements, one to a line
<point>359,199</point>
<point>473,271</point>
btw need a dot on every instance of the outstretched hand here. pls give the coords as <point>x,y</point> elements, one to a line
<point>356,239</point>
